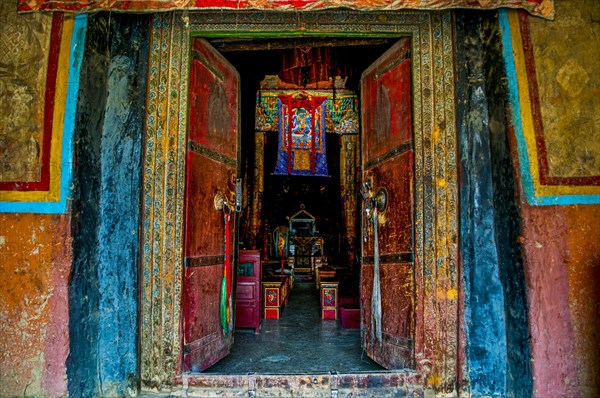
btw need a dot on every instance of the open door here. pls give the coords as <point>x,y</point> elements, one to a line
<point>387,321</point>
<point>212,165</point>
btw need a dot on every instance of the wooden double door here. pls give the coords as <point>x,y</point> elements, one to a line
<point>213,162</point>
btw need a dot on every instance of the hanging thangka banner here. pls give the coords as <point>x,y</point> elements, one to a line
<point>301,143</point>
<point>543,8</point>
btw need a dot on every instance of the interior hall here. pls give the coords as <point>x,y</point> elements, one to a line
<point>302,212</point>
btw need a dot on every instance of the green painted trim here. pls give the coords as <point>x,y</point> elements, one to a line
<point>251,34</point>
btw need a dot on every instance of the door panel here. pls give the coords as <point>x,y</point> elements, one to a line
<point>388,162</point>
<point>212,163</point>
<point>386,92</point>
<point>205,226</point>
<point>214,92</point>
<point>206,343</point>
<point>396,350</point>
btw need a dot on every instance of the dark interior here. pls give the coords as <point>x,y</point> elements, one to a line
<point>277,347</point>
<point>283,195</point>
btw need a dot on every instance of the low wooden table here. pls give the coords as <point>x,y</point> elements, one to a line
<point>329,299</point>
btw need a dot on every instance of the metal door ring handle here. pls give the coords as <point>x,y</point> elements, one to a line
<point>381,200</point>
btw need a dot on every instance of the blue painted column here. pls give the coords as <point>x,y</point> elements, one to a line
<point>83,283</point>
<point>484,297</point>
<point>507,217</point>
<point>103,293</point>
<point>495,315</point>
<point>120,193</point>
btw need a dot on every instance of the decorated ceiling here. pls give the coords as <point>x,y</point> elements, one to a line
<point>542,8</point>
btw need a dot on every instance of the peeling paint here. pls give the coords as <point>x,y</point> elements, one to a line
<point>27,294</point>
<point>452,294</point>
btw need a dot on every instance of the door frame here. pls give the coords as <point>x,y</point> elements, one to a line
<point>437,342</point>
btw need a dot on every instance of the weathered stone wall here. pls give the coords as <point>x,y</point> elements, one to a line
<point>531,302</point>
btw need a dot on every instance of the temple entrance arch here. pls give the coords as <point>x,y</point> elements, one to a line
<point>435,181</point>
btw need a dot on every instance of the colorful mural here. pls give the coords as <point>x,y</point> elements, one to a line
<point>557,130</point>
<point>544,8</point>
<point>27,85</point>
<point>555,122</point>
<point>37,100</point>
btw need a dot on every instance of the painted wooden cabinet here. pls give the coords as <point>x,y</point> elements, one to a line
<point>276,292</point>
<point>248,292</point>
<point>329,299</point>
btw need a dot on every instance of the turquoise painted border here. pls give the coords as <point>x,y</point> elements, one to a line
<point>524,162</point>
<point>75,59</point>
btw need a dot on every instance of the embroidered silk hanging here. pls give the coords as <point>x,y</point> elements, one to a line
<point>301,143</point>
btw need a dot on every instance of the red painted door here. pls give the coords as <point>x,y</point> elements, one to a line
<point>387,162</point>
<point>212,164</point>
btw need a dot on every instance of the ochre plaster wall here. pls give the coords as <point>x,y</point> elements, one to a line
<point>562,251</point>
<point>583,270</point>
<point>35,249</point>
<point>562,243</point>
<point>35,259</point>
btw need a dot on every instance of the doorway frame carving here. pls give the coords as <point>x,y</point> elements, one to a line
<point>436,296</point>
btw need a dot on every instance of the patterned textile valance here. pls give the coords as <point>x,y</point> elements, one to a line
<point>542,8</point>
<point>340,110</point>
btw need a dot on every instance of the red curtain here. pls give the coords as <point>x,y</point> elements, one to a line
<point>303,66</point>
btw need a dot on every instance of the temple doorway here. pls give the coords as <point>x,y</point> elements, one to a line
<point>410,277</point>
<point>308,207</point>
<point>294,265</point>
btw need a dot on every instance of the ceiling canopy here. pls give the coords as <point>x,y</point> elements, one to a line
<point>542,8</point>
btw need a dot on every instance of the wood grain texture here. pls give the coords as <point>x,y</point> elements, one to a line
<point>211,164</point>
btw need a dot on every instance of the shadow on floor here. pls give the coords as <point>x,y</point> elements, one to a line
<point>299,342</point>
